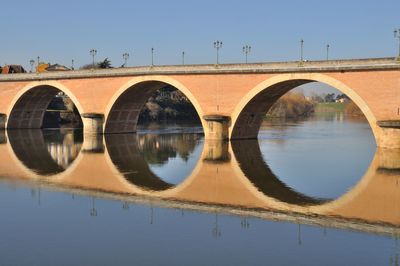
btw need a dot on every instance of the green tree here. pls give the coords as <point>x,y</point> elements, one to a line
<point>106,63</point>
<point>330,97</point>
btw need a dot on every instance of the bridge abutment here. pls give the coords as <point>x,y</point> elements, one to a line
<point>217,127</point>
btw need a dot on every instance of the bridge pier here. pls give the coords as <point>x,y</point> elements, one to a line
<point>217,127</point>
<point>93,123</point>
<point>389,134</point>
<point>389,159</point>
<point>389,138</point>
<point>92,143</point>
<point>3,119</point>
<point>216,151</point>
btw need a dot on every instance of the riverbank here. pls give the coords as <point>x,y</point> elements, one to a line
<point>349,108</point>
<point>291,105</point>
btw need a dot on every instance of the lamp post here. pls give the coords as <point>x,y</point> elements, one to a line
<point>216,231</point>
<point>397,35</point>
<point>217,45</point>
<point>327,52</point>
<point>301,50</point>
<point>72,64</point>
<point>183,57</point>
<point>93,210</point>
<point>246,50</point>
<point>93,53</point>
<point>38,62</point>
<point>125,56</point>
<point>32,62</point>
<point>152,56</point>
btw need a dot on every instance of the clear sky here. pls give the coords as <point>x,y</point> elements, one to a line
<point>59,31</point>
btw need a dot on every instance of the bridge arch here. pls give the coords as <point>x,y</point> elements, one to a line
<point>29,105</point>
<point>123,109</point>
<point>249,112</point>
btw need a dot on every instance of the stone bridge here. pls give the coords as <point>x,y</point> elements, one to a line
<point>231,100</point>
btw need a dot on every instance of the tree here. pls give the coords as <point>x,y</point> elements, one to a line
<point>342,96</point>
<point>330,97</point>
<point>105,63</point>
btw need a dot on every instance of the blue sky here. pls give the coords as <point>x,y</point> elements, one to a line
<point>59,31</point>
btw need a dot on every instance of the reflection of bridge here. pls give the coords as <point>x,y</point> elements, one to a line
<point>231,100</point>
<point>225,175</point>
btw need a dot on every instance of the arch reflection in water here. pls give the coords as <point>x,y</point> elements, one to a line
<point>233,184</point>
<point>46,152</point>
<point>154,162</point>
<point>322,156</point>
<point>3,138</point>
<point>251,162</point>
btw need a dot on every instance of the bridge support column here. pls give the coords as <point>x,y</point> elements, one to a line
<point>389,134</point>
<point>3,119</point>
<point>217,127</point>
<point>389,159</point>
<point>93,123</point>
<point>216,151</point>
<point>92,143</point>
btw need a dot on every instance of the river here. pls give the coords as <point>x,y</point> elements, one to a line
<point>315,191</point>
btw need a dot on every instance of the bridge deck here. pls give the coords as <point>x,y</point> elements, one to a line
<point>389,63</point>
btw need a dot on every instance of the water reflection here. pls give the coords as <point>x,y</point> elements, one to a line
<point>46,152</point>
<point>159,148</point>
<point>251,162</point>
<point>3,138</point>
<point>231,175</point>
<point>140,157</point>
<point>320,158</point>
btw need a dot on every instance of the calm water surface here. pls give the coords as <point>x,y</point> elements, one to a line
<point>311,192</point>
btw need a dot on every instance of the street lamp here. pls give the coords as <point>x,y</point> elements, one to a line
<point>327,52</point>
<point>216,231</point>
<point>93,53</point>
<point>38,62</point>
<point>93,210</point>
<point>183,57</point>
<point>301,50</point>
<point>397,35</point>
<point>32,62</point>
<point>246,50</point>
<point>152,56</point>
<point>125,56</point>
<point>217,45</point>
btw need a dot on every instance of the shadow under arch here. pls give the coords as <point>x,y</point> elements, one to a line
<point>249,113</point>
<point>31,149</point>
<point>123,109</point>
<point>29,106</point>
<point>124,154</point>
<point>249,158</point>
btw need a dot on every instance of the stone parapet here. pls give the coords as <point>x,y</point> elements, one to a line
<point>266,67</point>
